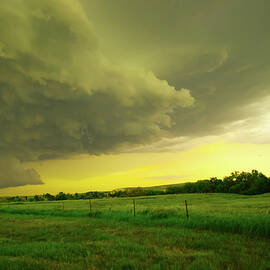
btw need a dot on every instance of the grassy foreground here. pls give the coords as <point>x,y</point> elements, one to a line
<point>224,231</point>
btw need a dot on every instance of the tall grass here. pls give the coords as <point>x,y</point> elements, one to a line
<point>224,231</point>
<point>222,222</point>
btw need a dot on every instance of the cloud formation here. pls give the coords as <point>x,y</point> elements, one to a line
<point>12,174</point>
<point>102,76</point>
<point>219,49</point>
<point>60,96</point>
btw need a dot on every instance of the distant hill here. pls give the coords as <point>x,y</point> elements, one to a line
<point>155,188</point>
<point>246,183</point>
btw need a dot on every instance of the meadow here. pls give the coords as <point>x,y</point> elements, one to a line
<point>223,231</point>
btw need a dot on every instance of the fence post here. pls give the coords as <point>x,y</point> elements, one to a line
<point>134,208</point>
<point>63,207</point>
<point>186,209</point>
<point>90,206</point>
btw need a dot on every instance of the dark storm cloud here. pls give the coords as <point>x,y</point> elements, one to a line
<point>12,174</point>
<point>219,49</point>
<point>60,96</point>
<point>101,76</point>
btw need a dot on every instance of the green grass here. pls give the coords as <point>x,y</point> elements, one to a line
<point>224,231</point>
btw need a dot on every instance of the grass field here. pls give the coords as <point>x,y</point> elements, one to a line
<point>224,231</point>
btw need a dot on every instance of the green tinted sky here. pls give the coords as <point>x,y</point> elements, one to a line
<point>131,79</point>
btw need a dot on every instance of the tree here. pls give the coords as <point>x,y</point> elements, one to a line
<point>61,196</point>
<point>48,197</point>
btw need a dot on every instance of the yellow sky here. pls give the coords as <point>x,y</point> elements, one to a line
<point>107,172</point>
<point>182,87</point>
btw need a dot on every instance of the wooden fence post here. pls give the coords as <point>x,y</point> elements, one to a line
<point>63,207</point>
<point>90,206</point>
<point>186,209</point>
<point>134,208</point>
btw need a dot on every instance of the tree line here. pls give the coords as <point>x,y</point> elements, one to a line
<point>246,183</point>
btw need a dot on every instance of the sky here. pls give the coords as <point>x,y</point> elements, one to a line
<point>101,94</point>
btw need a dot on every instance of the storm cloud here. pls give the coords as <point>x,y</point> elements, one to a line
<point>219,49</point>
<point>12,173</point>
<point>60,96</point>
<point>104,76</point>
